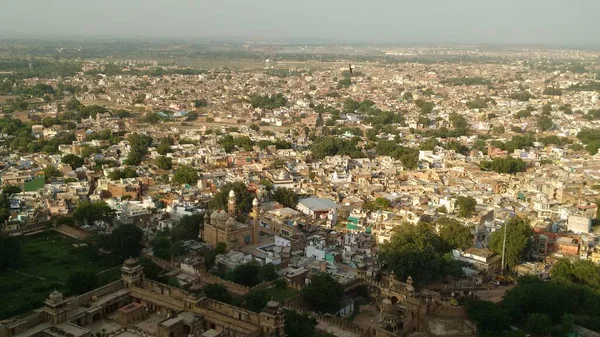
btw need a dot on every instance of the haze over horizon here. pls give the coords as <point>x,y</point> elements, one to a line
<point>547,22</point>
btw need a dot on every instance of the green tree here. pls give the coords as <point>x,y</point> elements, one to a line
<point>200,103</point>
<point>185,175</point>
<point>51,172</point>
<point>544,123</point>
<point>256,300</point>
<point>10,248</point>
<point>243,197</point>
<point>73,160</point>
<point>92,212</point>
<point>188,227</point>
<point>538,324</point>
<point>246,274</point>
<point>377,204</point>
<point>217,292</point>
<point>125,173</point>
<point>126,241</point>
<point>323,293</point>
<point>454,233</point>
<point>415,251</point>
<point>518,240</point>
<point>488,316</point>
<point>164,163</point>
<point>162,246</point>
<point>299,325</point>
<point>139,147</point>
<point>466,206</point>
<point>285,196</point>
<point>164,146</point>
<point>268,272</point>
<point>81,282</point>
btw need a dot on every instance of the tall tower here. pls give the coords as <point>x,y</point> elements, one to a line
<point>132,272</point>
<point>56,308</point>
<point>231,207</point>
<point>255,224</point>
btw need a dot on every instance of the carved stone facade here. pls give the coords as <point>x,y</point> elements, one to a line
<point>404,310</point>
<point>221,226</point>
<point>134,299</point>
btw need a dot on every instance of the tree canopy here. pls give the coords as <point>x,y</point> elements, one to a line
<point>508,165</point>
<point>268,102</point>
<point>243,197</point>
<point>455,233</point>
<point>466,206</point>
<point>92,212</point>
<point>185,175</point>
<point>518,240</point>
<point>323,293</point>
<point>417,251</point>
<point>73,160</point>
<point>217,292</point>
<point>164,163</point>
<point>285,196</point>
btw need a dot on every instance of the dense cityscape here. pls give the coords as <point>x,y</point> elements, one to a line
<point>255,189</point>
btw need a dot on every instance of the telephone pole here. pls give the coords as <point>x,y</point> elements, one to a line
<point>504,247</point>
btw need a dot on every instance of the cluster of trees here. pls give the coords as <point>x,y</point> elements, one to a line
<point>139,148</point>
<point>466,206</point>
<point>200,103</point>
<point>544,308</point>
<point>552,91</point>
<point>377,204</point>
<point>90,213</point>
<point>426,107</point>
<point>521,96</point>
<point>419,252</point>
<point>251,273</point>
<point>7,191</point>
<point>477,103</point>
<point>591,139</point>
<point>518,240</point>
<point>278,143</point>
<point>408,156</point>
<point>285,196</point>
<point>168,243</point>
<point>73,160</point>
<point>125,173</point>
<point>229,143</point>
<point>508,165</point>
<point>40,68</point>
<point>185,175</point>
<point>10,248</point>
<point>544,122</point>
<point>592,115</point>
<point>516,142</point>
<point>332,146</point>
<point>125,241</point>
<point>466,81</point>
<point>243,197</point>
<point>323,294</point>
<point>164,163</point>
<point>165,247</point>
<point>268,102</point>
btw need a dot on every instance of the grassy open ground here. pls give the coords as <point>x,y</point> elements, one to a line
<point>3,99</point>
<point>46,261</point>
<point>280,295</point>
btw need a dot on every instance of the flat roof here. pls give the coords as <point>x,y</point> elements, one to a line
<point>318,204</point>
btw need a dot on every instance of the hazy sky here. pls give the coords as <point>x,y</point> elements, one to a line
<point>571,22</point>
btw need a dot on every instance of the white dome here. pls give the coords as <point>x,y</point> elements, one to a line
<point>255,202</point>
<point>231,194</point>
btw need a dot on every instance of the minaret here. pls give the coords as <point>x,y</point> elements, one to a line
<point>231,207</point>
<point>255,224</point>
